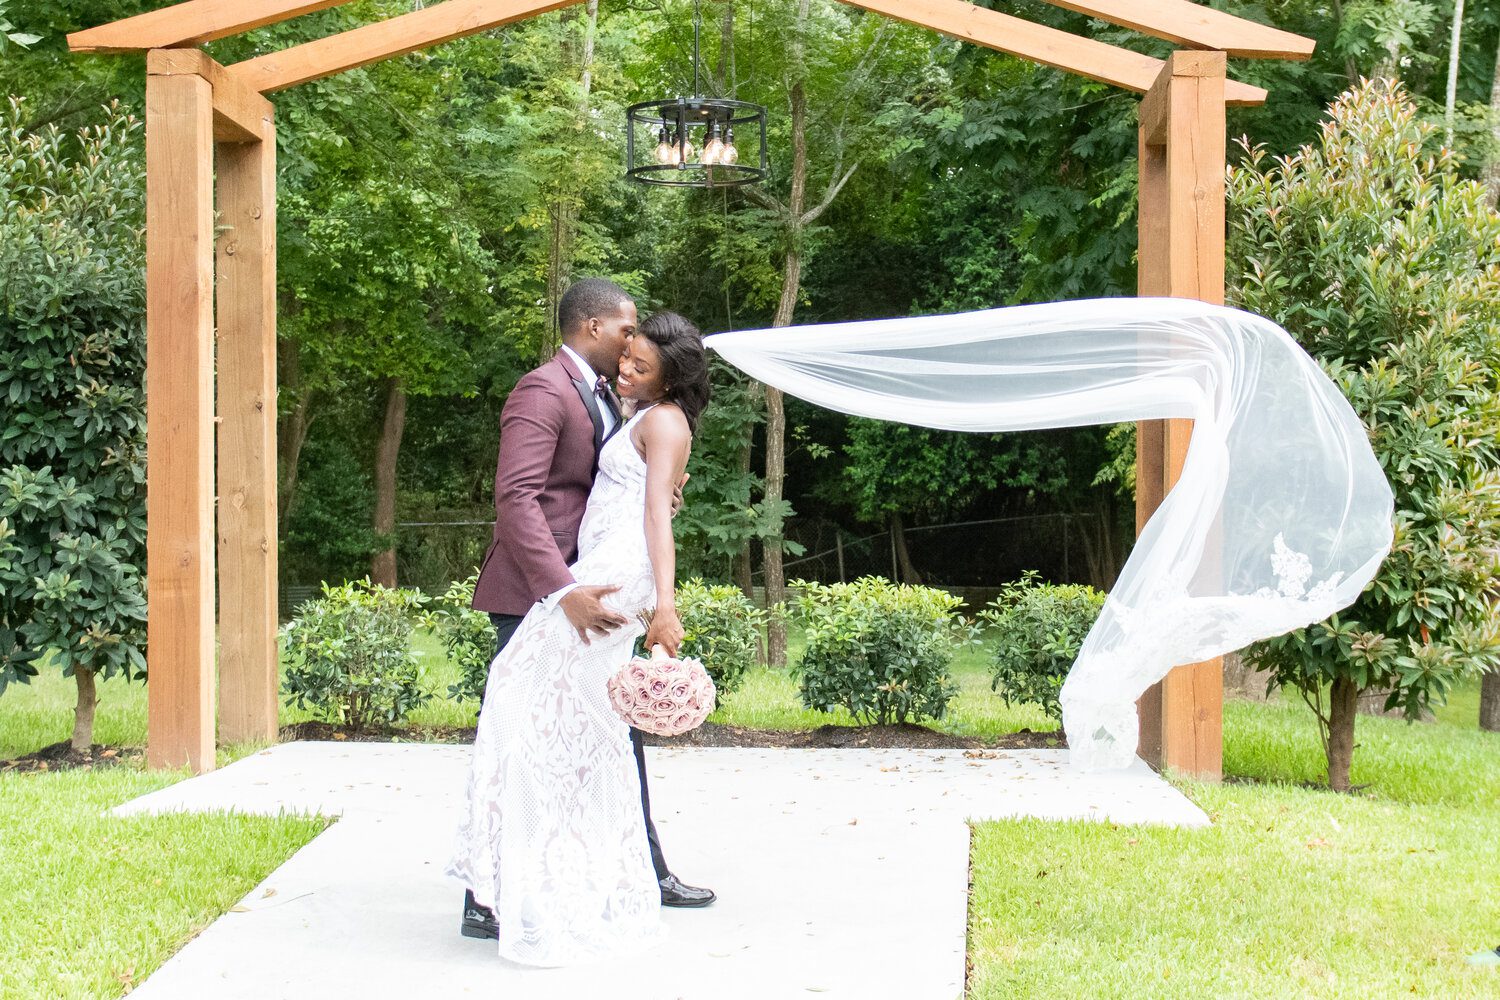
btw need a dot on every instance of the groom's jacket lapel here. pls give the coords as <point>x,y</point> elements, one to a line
<point>543,476</point>
<point>591,403</point>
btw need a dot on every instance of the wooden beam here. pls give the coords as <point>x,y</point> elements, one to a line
<point>1182,142</point>
<point>1048,46</point>
<point>1197,27</point>
<point>179,422</point>
<point>385,40</point>
<point>240,112</point>
<point>195,22</point>
<point>246,300</point>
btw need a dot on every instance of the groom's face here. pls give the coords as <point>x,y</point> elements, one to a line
<point>611,334</point>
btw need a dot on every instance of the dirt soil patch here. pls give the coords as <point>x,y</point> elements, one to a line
<point>62,757</point>
<point>906,736</point>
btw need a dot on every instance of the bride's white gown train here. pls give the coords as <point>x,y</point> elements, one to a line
<point>553,838</point>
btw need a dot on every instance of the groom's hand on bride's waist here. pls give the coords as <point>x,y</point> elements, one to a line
<point>677,493</point>
<point>586,613</point>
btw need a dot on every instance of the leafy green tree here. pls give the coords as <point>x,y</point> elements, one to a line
<point>896,470</point>
<point>72,403</point>
<point>1386,266</point>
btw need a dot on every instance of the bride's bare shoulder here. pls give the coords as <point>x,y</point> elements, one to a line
<point>666,419</point>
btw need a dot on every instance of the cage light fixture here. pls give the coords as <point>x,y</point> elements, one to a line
<point>695,141</point>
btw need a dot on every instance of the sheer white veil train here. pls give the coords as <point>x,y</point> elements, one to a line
<point>1282,514</point>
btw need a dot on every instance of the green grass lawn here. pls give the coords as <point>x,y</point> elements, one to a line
<point>1293,892</point>
<point>92,903</point>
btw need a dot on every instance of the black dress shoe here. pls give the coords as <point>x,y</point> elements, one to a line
<point>479,921</point>
<point>674,893</point>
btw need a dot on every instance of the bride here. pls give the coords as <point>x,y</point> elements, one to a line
<point>553,838</point>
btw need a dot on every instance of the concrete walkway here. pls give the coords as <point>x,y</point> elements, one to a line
<point>840,873</point>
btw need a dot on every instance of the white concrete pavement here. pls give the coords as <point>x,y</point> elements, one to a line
<point>840,873</point>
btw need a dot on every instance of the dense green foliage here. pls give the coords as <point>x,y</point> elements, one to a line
<point>466,636</point>
<point>1385,265</point>
<point>72,402</point>
<point>433,206</point>
<point>1038,629</point>
<point>879,650</point>
<point>721,627</point>
<point>349,656</point>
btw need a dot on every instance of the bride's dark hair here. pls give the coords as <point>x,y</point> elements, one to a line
<point>684,363</point>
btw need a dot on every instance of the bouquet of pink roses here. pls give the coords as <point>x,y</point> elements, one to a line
<point>663,696</point>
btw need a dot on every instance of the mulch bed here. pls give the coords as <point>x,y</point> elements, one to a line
<point>904,735</point>
<point>711,734</point>
<point>62,757</point>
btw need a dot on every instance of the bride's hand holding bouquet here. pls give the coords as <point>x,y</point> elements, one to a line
<point>664,629</point>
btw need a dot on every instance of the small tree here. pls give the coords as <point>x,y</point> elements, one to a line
<point>1385,266</point>
<point>72,420</point>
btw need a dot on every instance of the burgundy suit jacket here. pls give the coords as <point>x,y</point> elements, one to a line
<point>549,453</point>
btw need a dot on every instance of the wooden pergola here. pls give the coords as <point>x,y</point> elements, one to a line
<point>211,390</point>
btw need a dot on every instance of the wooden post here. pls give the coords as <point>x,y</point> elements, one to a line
<point>179,421</point>
<point>1182,140</point>
<point>246,258</point>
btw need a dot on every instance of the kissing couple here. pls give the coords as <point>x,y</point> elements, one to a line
<point>557,850</point>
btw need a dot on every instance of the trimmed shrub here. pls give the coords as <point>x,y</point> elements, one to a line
<point>722,628</point>
<point>879,650</point>
<point>1038,630</point>
<point>467,637</point>
<point>349,655</point>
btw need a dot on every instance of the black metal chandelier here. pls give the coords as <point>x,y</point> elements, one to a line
<point>694,141</point>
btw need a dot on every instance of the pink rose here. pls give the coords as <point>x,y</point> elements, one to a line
<point>659,687</point>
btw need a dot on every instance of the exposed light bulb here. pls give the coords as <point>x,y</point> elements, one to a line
<point>713,149</point>
<point>731,153</point>
<point>664,149</point>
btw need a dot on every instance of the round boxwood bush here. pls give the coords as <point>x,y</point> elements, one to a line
<point>349,657</point>
<point>722,628</point>
<point>1038,629</point>
<point>879,650</point>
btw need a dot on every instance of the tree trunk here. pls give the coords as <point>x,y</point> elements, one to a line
<point>1453,50</point>
<point>292,435</point>
<point>909,572</point>
<point>1491,175</point>
<point>1343,701</point>
<point>83,714</point>
<point>743,572</point>
<point>786,308</point>
<point>1489,702</point>
<point>771,550</point>
<point>563,210</point>
<point>383,563</point>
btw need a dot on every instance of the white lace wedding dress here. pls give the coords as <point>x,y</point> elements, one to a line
<point>553,839</point>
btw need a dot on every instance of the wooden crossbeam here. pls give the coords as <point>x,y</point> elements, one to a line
<point>240,113</point>
<point>195,22</point>
<point>385,39</point>
<point>1048,46</point>
<point>1196,26</point>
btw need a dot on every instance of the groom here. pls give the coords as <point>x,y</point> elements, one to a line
<point>551,430</point>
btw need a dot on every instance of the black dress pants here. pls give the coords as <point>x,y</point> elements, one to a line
<point>505,628</point>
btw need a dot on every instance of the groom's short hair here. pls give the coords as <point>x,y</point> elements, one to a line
<point>588,299</point>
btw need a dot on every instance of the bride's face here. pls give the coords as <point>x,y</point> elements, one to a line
<point>640,372</point>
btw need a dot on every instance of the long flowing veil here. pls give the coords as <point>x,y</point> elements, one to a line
<point>1282,514</point>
